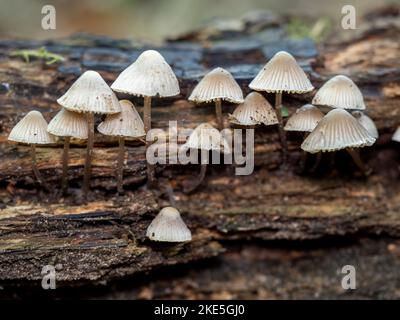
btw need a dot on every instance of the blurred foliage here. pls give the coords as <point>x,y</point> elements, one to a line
<point>299,29</point>
<point>41,53</point>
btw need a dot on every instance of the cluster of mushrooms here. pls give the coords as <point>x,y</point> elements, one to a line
<point>151,76</point>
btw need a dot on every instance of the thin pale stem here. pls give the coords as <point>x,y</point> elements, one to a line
<point>147,128</point>
<point>120,164</point>
<point>35,169</point>
<point>64,179</point>
<point>218,112</point>
<point>89,154</point>
<point>282,134</point>
<point>317,162</point>
<point>355,155</point>
<point>199,180</point>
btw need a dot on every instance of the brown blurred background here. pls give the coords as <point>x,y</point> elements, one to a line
<point>152,19</point>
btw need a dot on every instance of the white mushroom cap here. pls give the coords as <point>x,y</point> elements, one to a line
<point>126,123</point>
<point>254,110</point>
<point>282,74</point>
<point>217,84</point>
<point>168,226</point>
<point>305,119</point>
<point>150,75</point>
<point>90,93</point>
<point>337,130</point>
<point>396,135</point>
<point>31,129</point>
<point>206,137</point>
<point>69,124</point>
<point>340,92</point>
<point>367,123</point>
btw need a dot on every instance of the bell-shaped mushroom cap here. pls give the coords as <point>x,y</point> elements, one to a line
<point>31,129</point>
<point>206,137</point>
<point>168,226</point>
<point>367,123</point>
<point>396,135</point>
<point>69,124</point>
<point>150,75</point>
<point>282,73</point>
<point>254,110</point>
<point>217,84</point>
<point>126,123</point>
<point>90,93</point>
<point>337,130</point>
<point>340,92</point>
<point>305,119</point>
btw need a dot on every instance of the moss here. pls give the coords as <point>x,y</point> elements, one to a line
<point>40,53</point>
<point>299,29</point>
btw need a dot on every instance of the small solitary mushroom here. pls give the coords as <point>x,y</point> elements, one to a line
<point>149,76</point>
<point>68,124</point>
<point>126,124</point>
<point>366,122</point>
<point>253,111</point>
<point>281,74</point>
<point>217,85</point>
<point>205,138</point>
<point>340,92</point>
<point>339,130</point>
<point>396,135</point>
<point>90,94</point>
<point>168,226</point>
<point>32,130</point>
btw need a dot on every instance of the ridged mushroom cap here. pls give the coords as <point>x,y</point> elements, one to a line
<point>126,123</point>
<point>282,74</point>
<point>367,123</point>
<point>305,119</point>
<point>396,135</point>
<point>340,92</point>
<point>254,110</point>
<point>337,130</point>
<point>69,124</point>
<point>217,84</point>
<point>90,93</point>
<point>206,137</point>
<point>150,75</point>
<point>31,129</point>
<point>168,226</point>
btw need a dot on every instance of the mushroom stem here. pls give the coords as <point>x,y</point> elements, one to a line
<point>35,168</point>
<point>218,112</point>
<point>89,153</point>
<point>64,179</point>
<point>282,135</point>
<point>147,128</point>
<point>355,155</point>
<point>317,162</point>
<point>120,164</point>
<point>199,180</point>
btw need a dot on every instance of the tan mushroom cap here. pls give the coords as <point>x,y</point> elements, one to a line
<point>168,226</point>
<point>31,129</point>
<point>396,135</point>
<point>305,119</point>
<point>206,137</point>
<point>68,124</point>
<point>367,123</point>
<point>217,84</point>
<point>254,110</point>
<point>282,74</point>
<point>90,93</point>
<point>150,75</point>
<point>340,92</point>
<point>337,130</point>
<point>126,123</point>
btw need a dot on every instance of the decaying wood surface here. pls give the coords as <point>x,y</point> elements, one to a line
<point>103,240</point>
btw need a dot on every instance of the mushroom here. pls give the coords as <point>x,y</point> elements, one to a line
<point>281,74</point>
<point>168,226</point>
<point>217,85</point>
<point>126,124</point>
<point>339,130</point>
<point>253,111</point>
<point>366,122</point>
<point>69,125</point>
<point>396,135</point>
<point>90,94</point>
<point>205,138</point>
<point>32,130</point>
<point>340,92</point>
<point>149,76</point>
